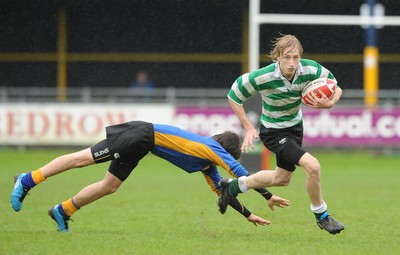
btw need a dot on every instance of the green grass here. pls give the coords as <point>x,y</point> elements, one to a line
<point>163,210</point>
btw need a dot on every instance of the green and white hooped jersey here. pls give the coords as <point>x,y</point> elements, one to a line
<point>281,106</point>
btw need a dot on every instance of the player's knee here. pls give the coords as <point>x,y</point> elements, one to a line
<point>313,169</point>
<point>281,181</point>
<point>80,159</point>
<point>109,189</point>
<point>78,163</point>
<point>84,163</point>
<point>112,189</point>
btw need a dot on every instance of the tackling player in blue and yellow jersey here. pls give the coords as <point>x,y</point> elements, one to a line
<point>125,146</point>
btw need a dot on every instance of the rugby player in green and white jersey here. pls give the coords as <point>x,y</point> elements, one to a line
<point>280,85</point>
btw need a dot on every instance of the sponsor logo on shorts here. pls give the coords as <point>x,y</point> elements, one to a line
<point>116,155</point>
<point>282,141</point>
<point>100,153</point>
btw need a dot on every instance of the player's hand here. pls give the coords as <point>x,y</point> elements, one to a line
<point>278,201</point>
<point>319,102</point>
<point>251,134</point>
<point>256,220</point>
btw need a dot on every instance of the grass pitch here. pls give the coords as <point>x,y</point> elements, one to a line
<point>161,209</point>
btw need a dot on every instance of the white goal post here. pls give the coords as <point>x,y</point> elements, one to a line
<point>256,19</point>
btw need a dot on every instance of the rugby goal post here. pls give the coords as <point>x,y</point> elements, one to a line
<point>256,19</point>
<point>371,16</point>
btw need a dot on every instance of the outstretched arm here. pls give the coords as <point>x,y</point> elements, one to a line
<point>256,220</point>
<point>272,199</point>
<point>212,177</point>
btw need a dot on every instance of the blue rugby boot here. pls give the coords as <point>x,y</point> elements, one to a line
<point>19,193</point>
<point>62,221</point>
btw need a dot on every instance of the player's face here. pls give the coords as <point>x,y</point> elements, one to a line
<point>289,61</point>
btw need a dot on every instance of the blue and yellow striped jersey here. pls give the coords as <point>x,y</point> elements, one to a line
<point>193,153</point>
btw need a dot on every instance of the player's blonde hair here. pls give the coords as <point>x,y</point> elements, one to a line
<point>283,42</point>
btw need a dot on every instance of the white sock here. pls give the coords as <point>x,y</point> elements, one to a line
<point>242,184</point>
<point>319,209</point>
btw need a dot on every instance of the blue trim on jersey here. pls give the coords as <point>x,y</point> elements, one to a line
<point>193,153</point>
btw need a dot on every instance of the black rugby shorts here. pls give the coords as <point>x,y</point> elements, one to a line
<point>285,143</point>
<point>125,146</point>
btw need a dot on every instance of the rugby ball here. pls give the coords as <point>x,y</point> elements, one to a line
<point>325,85</point>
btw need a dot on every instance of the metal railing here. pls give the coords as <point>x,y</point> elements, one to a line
<point>191,96</point>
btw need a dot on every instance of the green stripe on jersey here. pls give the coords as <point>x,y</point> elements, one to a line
<point>233,96</point>
<point>242,89</point>
<point>292,93</point>
<point>271,85</point>
<point>285,107</point>
<point>281,100</point>
<point>283,118</point>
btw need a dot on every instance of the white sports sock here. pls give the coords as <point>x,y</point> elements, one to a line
<point>320,209</point>
<point>242,184</point>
